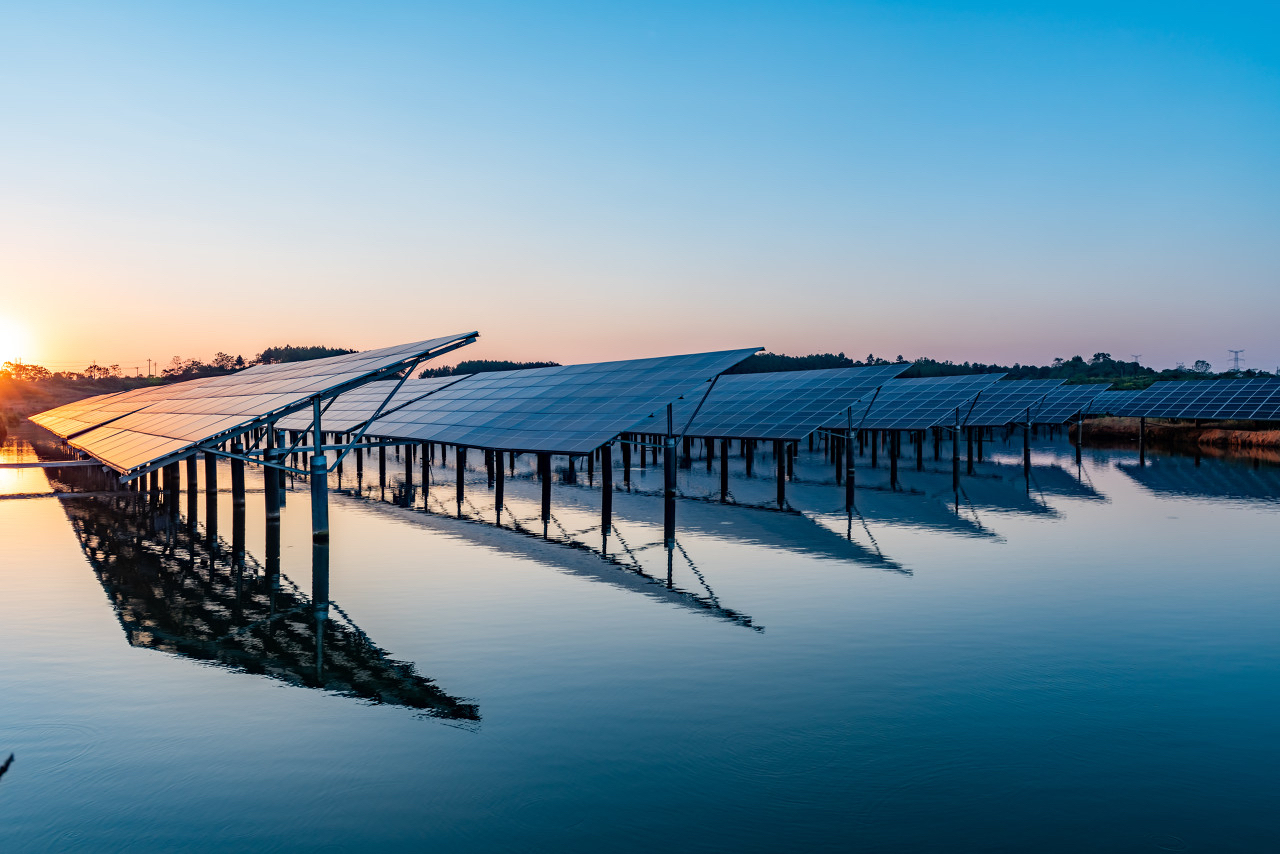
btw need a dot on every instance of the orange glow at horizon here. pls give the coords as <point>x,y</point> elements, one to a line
<point>14,341</point>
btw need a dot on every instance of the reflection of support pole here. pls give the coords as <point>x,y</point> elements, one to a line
<point>382,467</point>
<point>709,445</point>
<point>273,554</point>
<point>1142,441</point>
<point>606,489</point>
<point>875,445</point>
<point>237,535</point>
<point>1079,434</point>
<point>320,597</point>
<point>968,438</point>
<point>751,455</point>
<point>270,483</point>
<point>919,450</point>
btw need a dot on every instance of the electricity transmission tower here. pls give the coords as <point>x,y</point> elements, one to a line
<point>1236,356</point>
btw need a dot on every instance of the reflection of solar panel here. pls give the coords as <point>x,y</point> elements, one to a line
<point>1065,402</point>
<point>1242,399</point>
<point>787,405</point>
<point>1009,402</point>
<point>349,411</point>
<point>172,419</point>
<point>567,409</point>
<point>917,404</point>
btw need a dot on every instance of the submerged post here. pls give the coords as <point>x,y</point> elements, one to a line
<point>237,475</point>
<point>319,483</point>
<point>626,460</point>
<point>724,471</point>
<point>499,486</point>
<point>669,484</point>
<point>461,465</point>
<point>779,454</point>
<point>211,493</point>
<point>544,472</point>
<point>919,450</point>
<point>848,461</point>
<point>1142,441</point>
<point>955,452</point>
<point>606,488</point>
<point>193,491</point>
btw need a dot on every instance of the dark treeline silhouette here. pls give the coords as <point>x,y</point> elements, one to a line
<point>1098,369</point>
<point>482,366</point>
<point>290,353</point>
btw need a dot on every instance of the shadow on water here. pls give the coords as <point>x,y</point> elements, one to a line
<point>177,591</point>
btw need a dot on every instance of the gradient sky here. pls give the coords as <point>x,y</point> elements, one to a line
<point>584,181</point>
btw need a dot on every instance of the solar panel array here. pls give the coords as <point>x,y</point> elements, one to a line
<point>917,404</point>
<point>788,405</point>
<point>350,410</point>
<point>568,409</point>
<point>1240,399</point>
<point>1065,402</point>
<point>1009,402</point>
<point>162,421</point>
<point>1112,402</point>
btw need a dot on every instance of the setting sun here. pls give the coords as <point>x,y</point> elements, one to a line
<point>13,340</point>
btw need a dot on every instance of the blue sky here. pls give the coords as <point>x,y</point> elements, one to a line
<point>1002,182</point>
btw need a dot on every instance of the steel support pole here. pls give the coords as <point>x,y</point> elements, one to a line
<point>606,488</point>
<point>779,456</point>
<point>544,473</point>
<point>499,486</point>
<point>211,495</point>
<point>461,464</point>
<point>848,461</point>
<point>669,490</point>
<point>237,475</point>
<point>1142,441</point>
<point>319,498</point>
<point>193,491</point>
<point>626,461</point>
<point>724,471</point>
<point>382,467</point>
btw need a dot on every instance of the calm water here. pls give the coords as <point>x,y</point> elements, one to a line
<point>1082,659</point>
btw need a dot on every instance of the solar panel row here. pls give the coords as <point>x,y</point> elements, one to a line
<point>142,428</point>
<point>567,409</point>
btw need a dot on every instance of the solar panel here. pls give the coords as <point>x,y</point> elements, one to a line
<point>1114,402</point>
<point>1234,399</point>
<point>917,404</point>
<point>568,409</point>
<point>174,418</point>
<point>1009,402</point>
<point>350,410</point>
<point>787,405</point>
<point>1065,402</point>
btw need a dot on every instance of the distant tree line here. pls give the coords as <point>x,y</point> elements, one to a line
<point>481,366</point>
<point>1100,368</point>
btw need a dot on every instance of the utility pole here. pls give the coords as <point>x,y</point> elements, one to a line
<point>148,368</point>
<point>1236,357</point>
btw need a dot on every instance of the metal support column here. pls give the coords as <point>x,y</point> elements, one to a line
<point>211,495</point>
<point>499,486</point>
<point>779,456</point>
<point>606,489</point>
<point>1142,441</point>
<point>626,461</point>
<point>544,472</point>
<point>461,457</point>
<point>237,475</point>
<point>193,491</point>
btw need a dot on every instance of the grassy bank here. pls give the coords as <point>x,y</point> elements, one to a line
<point>1217,434</point>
